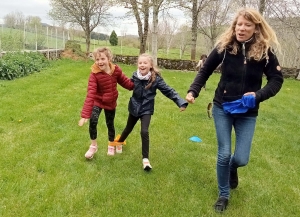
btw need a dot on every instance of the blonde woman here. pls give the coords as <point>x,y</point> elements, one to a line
<point>246,52</point>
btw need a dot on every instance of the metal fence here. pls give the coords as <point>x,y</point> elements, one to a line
<point>32,38</point>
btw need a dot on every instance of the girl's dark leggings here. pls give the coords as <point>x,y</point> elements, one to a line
<point>109,119</point>
<point>145,122</point>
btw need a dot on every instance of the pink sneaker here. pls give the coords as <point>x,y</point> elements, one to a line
<point>119,149</point>
<point>92,150</point>
<point>111,150</point>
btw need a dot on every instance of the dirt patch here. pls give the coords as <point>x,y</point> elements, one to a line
<point>70,54</point>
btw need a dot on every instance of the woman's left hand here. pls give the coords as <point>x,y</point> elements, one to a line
<point>250,93</point>
<point>190,98</point>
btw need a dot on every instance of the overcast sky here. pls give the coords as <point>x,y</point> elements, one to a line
<point>38,8</point>
<point>41,8</point>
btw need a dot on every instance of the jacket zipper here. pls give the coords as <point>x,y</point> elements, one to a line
<point>245,66</point>
<point>245,63</point>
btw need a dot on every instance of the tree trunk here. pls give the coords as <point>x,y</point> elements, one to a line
<point>262,6</point>
<point>88,42</point>
<point>143,32</point>
<point>154,34</point>
<point>244,3</point>
<point>87,33</point>
<point>194,30</point>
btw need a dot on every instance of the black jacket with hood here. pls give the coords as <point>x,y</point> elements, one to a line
<point>142,100</point>
<point>239,76</point>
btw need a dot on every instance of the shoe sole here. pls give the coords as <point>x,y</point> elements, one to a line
<point>233,186</point>
<point>147,168</point>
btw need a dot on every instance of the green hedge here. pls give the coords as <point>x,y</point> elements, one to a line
<point>16,64</point>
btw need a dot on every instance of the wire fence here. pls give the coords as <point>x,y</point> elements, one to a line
<point>33,38</point>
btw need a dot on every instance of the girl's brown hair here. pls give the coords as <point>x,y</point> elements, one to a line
<point>264,36</point>
<point>154,69</point>
<point>107,52</point>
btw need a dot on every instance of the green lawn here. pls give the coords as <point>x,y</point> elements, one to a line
<point>174,53</point>
<point>12,39</point>
<point>43,171</point>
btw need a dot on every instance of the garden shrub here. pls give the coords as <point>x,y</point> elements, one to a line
<point>72,47</point>
<point>16,64</point>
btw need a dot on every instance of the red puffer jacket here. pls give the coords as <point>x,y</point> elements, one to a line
<point>102,89</point>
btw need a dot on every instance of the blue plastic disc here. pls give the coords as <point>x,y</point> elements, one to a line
<point>195,139</point>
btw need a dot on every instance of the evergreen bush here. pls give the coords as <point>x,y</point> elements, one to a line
<point>113,39</point>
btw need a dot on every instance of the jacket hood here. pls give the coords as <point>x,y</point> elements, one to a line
<point>95,68</point>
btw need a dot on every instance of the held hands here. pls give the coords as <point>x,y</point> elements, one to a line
<point>82,121</point>
<point>190,98</point>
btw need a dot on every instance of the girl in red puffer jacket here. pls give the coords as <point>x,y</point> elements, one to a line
<point>102,93</point>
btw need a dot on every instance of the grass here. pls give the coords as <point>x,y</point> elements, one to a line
<point>12,39</point>
<point>44,172</point>
<point>9,37</point>
<point>174,53</point>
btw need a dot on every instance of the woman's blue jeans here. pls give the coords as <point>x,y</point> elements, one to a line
<point>244,130</point>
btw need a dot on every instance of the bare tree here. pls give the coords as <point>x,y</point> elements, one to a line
<point>193,7</point>
<point>167,30</point>
<point>87,14</point>
<point>9,21</point>
<point>259,4</point>
<point>33,21</point>
<point>14,20</point>
<point>284,16</point>
<point>156,4</point>
<point>20,19</point>
<point>183,38</point>
<point>288,13</point>
<point>140,9</point>
<point>211,19</point>
<point>262,6</point>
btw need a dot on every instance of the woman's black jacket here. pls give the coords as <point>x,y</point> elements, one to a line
<point>239,76</point>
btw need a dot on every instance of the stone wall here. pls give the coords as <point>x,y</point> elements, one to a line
<point>52,54</point>
<point>290,72</point>
<point>188,65</point>
<point>183,65</point>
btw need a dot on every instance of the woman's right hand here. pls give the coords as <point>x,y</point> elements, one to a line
<point>82,121</point>
<point>190,98</point>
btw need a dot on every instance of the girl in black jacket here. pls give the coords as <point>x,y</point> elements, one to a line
<point>245,54</point>
<point>146,80</point>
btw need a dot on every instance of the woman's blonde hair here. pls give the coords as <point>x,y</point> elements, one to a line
<point>154,69</point>
<point>105,50</point>
<point>264,37</point>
